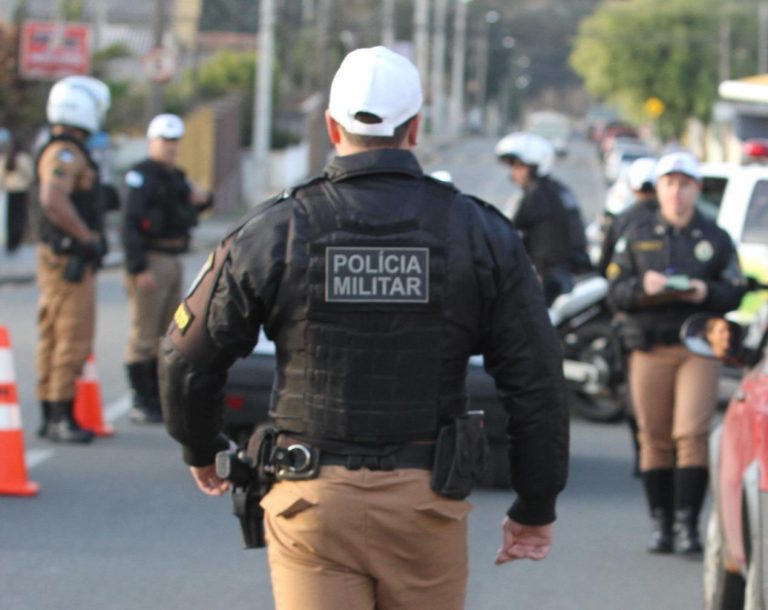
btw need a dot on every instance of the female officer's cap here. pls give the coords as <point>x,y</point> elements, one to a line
<point>378,82</point>
<point>679,163</point>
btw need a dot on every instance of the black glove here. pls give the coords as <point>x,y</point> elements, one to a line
<point>94,251</point>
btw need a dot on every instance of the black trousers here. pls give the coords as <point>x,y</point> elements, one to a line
<point>16,219</point>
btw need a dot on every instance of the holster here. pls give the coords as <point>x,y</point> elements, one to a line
<point>461,456</point>
<point>74,271</point>
<point>251,476</point>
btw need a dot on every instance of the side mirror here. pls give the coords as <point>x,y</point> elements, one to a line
<point>712,336</point>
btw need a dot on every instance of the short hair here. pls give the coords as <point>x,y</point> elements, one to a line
<point>393,141</point>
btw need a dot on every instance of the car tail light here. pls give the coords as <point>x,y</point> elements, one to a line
<point>234,401</point>
<point>755,148</point>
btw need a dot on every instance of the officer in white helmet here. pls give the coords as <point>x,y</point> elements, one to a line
<point>161,208</point>
<point>548,215</point>
<point>71,247</point>
<point>642,182</point>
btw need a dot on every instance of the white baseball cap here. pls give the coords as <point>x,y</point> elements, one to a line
<point>642,171</point>
<point>166,126</point>
<point>376,81</point>
<point>679,163</point>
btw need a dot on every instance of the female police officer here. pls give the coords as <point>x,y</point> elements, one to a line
<point>665,267</point>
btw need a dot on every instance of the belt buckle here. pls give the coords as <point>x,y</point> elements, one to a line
<point>297,462</point>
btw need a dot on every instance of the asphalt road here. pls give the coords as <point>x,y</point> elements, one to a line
<point>119,525</point>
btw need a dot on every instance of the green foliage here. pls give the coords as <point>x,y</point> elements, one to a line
<point>630,51</point>
<point>71,10</point>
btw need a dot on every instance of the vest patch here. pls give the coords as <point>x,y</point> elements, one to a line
<point>376,275</point>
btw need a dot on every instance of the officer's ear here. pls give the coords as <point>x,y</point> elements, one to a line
<point>334,131</point>
<point>413,131</point>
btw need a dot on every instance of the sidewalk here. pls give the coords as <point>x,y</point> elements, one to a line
<point>19,267</point>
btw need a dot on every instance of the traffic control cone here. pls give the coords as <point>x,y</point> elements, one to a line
<point>87,409</point>
<point>13,469</point>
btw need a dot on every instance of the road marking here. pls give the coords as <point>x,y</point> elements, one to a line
<point>112,411</point>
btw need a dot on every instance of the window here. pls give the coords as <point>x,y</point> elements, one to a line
<point>712,189</point>
<point>756,222</point>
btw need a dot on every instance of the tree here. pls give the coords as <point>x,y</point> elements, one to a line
<point>628,52</point>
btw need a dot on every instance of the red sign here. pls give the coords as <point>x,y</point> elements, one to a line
<point>50,50</point>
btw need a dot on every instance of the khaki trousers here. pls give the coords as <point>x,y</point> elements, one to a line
<point>364,540</point>
<point>65,324</point>
<point>675,395</point>
<point>152,310</point>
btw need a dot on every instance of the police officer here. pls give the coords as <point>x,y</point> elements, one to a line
<point>70,250</point>
<point>376,284</point>
<point>642,182</point>
<point>667,266</point>
<point>161,209</point>
<point>548,214</point>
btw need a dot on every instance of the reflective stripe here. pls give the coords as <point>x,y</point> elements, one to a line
<point>7,372</point>
<point>89,370</point>
<point>10,417</point>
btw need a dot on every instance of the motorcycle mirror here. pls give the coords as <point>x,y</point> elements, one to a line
<point>712,336</point>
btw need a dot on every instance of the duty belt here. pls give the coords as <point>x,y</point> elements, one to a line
<point>296,459</point>
<point>170,245</point>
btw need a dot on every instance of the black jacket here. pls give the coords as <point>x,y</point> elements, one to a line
<point>489,303</point>
<point>158,207</point>
<point>541,219</point>
<point>701,250</point>
<point>616,225</point>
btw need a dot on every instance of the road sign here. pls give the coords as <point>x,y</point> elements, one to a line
<point>654,107</point>
<point>159,64</point>
<point>50,50</point>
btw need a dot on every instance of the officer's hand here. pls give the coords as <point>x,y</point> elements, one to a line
<point>524,541</point>
<point>653,282</point>
<point>207,481</point>
<point>146,281</point>
<point>698,293</point>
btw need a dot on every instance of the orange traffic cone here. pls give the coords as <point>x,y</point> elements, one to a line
<point>87,410</point>
<point>13,469</point>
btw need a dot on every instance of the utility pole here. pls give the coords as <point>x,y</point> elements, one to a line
<point>262,110</point>
<point>421,38</point>
<point>388,23</point>
<point>456,110</point>
<point>762,38</point>
<point>155,100</point>
<point>323,16</point>
<point>724,53</point>
<point>438,67</point>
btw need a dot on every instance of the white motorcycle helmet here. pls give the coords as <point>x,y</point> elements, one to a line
<point>642,174</point>
<point>531,149</point>
<point>78,101</point>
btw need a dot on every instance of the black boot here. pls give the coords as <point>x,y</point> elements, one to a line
<point>45,411</point>
<point>690,489</point>
<point>659,490</point>
<point>62,427</point>
<point>145,410</point>
<point>154,385</point>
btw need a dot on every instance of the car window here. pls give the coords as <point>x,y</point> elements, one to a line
<point>712,189</point>
<point>756,221</point>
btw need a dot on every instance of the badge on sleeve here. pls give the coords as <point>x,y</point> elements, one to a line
<point>613,271</point>
<point>703,251</point>
<point>134,179</point>
<point>183,317</point>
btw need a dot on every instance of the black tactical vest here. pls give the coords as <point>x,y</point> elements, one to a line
<point>169,209</point>
<point>87,203</point>
<point>362,316</point>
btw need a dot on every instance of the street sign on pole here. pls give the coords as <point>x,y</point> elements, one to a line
<point>51,50</point>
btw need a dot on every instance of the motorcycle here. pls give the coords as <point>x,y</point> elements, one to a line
<point>594,363</point>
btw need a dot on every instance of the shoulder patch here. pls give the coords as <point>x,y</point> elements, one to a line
<point>134,179</point>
